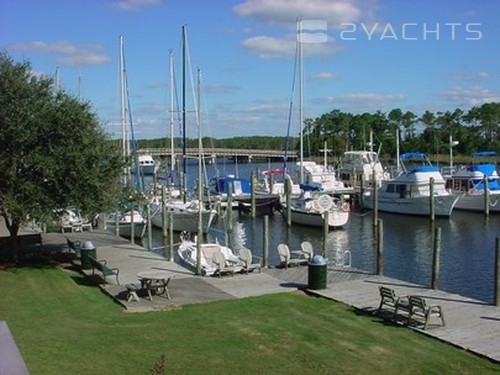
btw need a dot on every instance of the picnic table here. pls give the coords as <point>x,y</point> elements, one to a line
<point>155,281</point>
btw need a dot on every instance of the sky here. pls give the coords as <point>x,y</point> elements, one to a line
<point>359,56</point>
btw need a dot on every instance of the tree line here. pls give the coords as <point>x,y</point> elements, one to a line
<point>475,130</point>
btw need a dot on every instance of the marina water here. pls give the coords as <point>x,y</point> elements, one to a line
<point>467,259</point>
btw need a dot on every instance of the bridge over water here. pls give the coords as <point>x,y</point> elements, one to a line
<point>239,154</point>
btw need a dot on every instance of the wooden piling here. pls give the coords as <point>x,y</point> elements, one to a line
<point>117,223</point>
<point>265,245</point>
<point>164,222</point>
<point>497,272</point>
<point>435,258</point>
<point>288,189</point>
<point>375,200</point>
<point>229,208</point>
<point>132,223</point>
<point>361,194</point>
<point>380,247</point>
<point>325,232</point>
<point>150,227</point>
<point>171,236</point>
<point>486,197</point>
<point>253,183</point>
<point>432,201</point>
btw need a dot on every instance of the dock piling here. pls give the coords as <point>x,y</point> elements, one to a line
<point>435,258</point>
<point>497,272</point>
<point>380,247</point>
<point>265,247</point>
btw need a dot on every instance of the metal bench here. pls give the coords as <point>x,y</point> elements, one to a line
<point>419,310</point>
<point>101,266</point>
<point>389,298</point>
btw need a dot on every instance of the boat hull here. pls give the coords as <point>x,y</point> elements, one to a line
<point>125,229</point>
<point>476,202</point>
<point>419,206</point>
<point>336,218</point>
<point>188,254</point>
<point>183,219</point>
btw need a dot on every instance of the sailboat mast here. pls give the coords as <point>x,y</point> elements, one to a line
<point>301,96</point>
<point>123,110</point>
<point>184,161</point>
<point>200,181</point>
<point>172,155</point>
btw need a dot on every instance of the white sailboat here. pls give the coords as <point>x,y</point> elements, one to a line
<point>311,207</point>
<point>126,219</point>
<point>189,215</point>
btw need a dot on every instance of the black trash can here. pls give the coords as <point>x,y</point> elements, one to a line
<point>87,250</point>
<point>317,273</point>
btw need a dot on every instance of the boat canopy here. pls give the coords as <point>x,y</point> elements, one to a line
<point>413,155</point>
<point>219,185</point>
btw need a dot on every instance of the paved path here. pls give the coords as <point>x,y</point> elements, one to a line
<point>470,324</point>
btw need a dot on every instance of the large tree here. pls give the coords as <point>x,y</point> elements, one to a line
<point>53,151</point>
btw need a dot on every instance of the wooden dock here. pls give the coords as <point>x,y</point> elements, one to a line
<point>470,324</point>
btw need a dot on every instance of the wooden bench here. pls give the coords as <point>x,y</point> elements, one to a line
<point>389,298</point>
<point>74,246</point>
<point>420,310</point>
<point>101,265</point>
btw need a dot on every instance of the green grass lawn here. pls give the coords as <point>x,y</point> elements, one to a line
<point>64,325</point>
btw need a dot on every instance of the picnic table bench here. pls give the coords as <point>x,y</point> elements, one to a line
<point>101,265</point>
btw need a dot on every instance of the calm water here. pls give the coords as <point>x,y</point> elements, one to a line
<point>467,253</point>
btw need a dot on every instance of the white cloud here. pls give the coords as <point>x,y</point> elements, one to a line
<point>286,12</point>
<point>470,96</point>
<point>66,53</point>
<point>324,76</point>
<point>469,76</point>
<point>218,88</point>
<point>361,101</point>
<point>268,47</point>
<point>133,5</point>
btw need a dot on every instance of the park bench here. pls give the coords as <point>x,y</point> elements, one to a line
<point>388,298</point>
<point>420,310</point>
<point>101,265</point>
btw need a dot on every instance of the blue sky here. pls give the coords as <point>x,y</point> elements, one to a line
<point>378,55</point>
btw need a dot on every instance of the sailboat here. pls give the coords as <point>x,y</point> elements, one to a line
<point>313,206</point>
<point>130,222</point>
<point>183,211</point>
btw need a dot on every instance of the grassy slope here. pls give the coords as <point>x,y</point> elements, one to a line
<point>64,325</point>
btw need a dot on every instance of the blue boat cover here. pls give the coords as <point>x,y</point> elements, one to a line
<point>307,187</point>
<point>412,155</point>
<point>218,185</point>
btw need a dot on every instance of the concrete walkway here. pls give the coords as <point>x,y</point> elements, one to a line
<point>470,324</point>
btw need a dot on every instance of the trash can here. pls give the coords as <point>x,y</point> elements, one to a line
<point>87,250</point>
<point>317,273</point>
